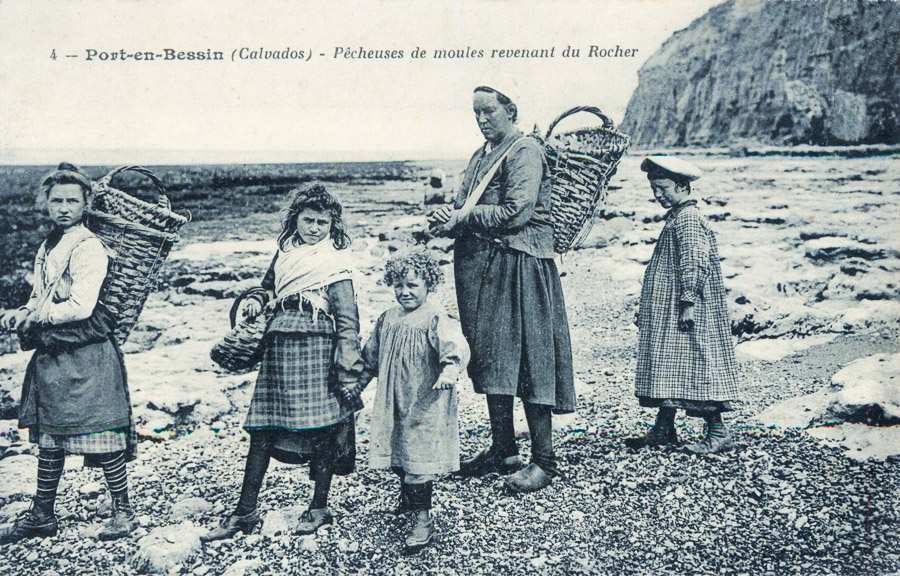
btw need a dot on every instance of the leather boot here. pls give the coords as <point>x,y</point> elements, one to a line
<point>123,521</point>
<point>530,479</point>
<point>38,522</point>
<point>232,525</point>
<point>487,461</point>
<point>313,519</point>
<point>657,436</point>
<point>422,533</point>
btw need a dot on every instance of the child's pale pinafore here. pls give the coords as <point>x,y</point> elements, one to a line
<point>413,426</point>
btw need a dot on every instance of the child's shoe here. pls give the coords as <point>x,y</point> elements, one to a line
<point>657,436</point>
<point>711,444</point>
<point>123,522</point>
<point>422,532</point>
<point>313,519</point>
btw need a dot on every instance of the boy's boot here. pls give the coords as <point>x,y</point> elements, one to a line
<point>123,521</point>
<point>38,522</point>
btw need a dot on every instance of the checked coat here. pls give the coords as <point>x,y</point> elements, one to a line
<point>697,365</point>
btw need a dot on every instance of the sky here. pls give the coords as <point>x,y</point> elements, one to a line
<point>319,108</point>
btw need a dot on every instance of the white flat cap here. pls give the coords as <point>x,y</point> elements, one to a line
<point>673,165</point>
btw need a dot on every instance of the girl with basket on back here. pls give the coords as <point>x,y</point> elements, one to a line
<point>74,399</point>
<point>510,298</point>
<point>300,410</point>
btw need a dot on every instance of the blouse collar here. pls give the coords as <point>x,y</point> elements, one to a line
<point>674,210</point>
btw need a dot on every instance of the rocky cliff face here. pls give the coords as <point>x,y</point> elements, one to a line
<point>774,72</point>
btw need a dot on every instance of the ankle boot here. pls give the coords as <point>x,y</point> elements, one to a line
<point>313,519</point>
<point>422,532</point>
<point>235,523</point>
<point>123,521</point>
<point>488,461</point>
<point>657,436</point>
<point>38,522</point>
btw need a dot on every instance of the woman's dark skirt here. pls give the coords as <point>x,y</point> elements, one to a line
<point>518,330</point>
<point>76,393</point>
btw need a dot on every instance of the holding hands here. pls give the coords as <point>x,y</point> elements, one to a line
<point>350,390</point>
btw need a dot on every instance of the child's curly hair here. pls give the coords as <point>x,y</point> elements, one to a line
<point>315,196</point>
<point>419,262</point>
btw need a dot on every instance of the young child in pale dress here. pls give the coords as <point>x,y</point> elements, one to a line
<point>417,353</point>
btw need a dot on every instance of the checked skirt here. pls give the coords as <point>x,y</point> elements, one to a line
<point>295,390</point>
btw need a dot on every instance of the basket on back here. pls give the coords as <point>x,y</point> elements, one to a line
<point>581,164</point>
<point>141,235</point>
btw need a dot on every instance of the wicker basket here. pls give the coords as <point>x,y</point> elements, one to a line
<point>581,164</point>
<point>242,348</point>
<point>141,234</point>
<point>157,216</point>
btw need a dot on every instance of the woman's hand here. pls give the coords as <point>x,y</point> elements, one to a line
<point>637,318</point>
<point>443,227</point>
<point>10,320</point>
<point>441,215</point>
<point>444,383</point>
<point>686,318</point>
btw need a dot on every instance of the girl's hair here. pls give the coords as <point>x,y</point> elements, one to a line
<point>417,261</point>
<point>315,196</point>
<point>65,173</point>
<point>679,180</point>
<point>504,100</point>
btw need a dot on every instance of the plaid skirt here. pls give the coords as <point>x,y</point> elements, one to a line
<point>96,443</point>
<point>296,388</point>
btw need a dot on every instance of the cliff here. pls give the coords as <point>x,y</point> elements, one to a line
<point>776,72</point>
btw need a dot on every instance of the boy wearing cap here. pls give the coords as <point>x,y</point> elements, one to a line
<point>685,353</point>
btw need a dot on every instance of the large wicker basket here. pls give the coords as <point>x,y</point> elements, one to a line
<point>581,164</point>
<point>141,235</point>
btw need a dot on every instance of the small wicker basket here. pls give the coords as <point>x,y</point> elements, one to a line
<point>581,164</point>
<point>141,235</point>
<point>242,348</point>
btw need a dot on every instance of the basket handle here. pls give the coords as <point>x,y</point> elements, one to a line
<point>607,123</point>
<point>163,201</point>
